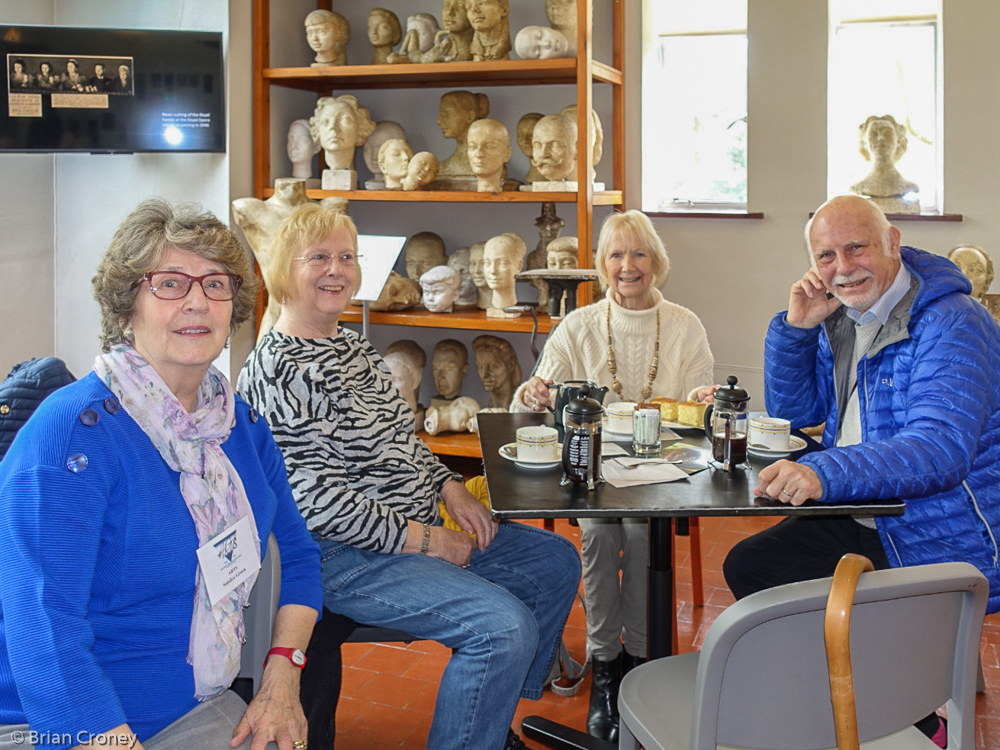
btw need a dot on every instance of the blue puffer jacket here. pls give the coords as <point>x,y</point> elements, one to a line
<point>929,393</point>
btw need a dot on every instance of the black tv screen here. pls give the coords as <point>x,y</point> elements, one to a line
<point>111,90</point>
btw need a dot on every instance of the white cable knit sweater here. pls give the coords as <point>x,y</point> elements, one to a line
<point>578,350</point>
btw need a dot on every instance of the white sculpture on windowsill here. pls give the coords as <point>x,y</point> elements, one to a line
<point>440,286</point>
<point>883,141</point>
<point>503,257</point>
<point>340,124</point>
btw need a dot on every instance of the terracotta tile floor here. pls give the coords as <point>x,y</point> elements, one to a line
<point>389,690</point>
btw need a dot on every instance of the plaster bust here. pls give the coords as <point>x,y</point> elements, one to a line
<point>525,128</point>
<point>455,19</point>
<point>976,265</point>
<point>562,18</point>
<point>423,251</point>
<point>421,33</point>
<point>503,257</point>
<point>451,417</point>
<point>489,151</point>
<point>596,136</point>
<point>406,375</point>
<point>883,142</point>
<point>491,23</point>
<point>393,161</point>
<point>449,365</point>
<point>553,147</point>
<point>384,33</point>
<point>340,124</point>
<point>440,286</point>
<point>422,170</point>
<point>479,275</point>
<point>301,149</point>
<point>259,219</point>
<point>468,294</point>
<point>340,46</point>
<point>498,369</point>
<point>399,293</point>
<point>323,31</point>
<point>563,253</point>
<point>457,111</point>
<point>540,43</point>
<point>384,130</point>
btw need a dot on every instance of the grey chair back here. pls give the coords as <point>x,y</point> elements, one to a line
<point>761,680</point>
<point>258,617</point>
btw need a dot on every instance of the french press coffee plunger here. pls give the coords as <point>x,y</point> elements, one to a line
<point>726,422</point>
<point>581,458</point>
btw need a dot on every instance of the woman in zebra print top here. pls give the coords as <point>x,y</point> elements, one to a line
<point>369,491</point>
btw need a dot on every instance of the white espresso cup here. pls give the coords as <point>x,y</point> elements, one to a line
<point>620,417</point>
<point>771,433</point>
<point>537,444</point>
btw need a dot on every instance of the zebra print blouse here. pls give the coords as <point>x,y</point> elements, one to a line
<point>356,468</point>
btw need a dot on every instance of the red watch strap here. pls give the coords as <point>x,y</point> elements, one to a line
<point>294,655</point>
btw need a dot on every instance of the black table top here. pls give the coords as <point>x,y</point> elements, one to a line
<point>517,492</point>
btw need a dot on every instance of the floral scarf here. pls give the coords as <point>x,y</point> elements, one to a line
<point>190,443</point>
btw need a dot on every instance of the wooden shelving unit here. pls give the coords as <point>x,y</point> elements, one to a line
<point>582,71</point>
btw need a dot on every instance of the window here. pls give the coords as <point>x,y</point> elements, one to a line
<point>884,61</point>
<point>694,105</point>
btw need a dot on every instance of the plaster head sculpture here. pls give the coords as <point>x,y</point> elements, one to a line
<point>976,265</point>
<point>440,286</point>
<point>478,274</point>
<point>883,141</point>
<point>563,253</point>
<point>457,111</point>
<point>525,128</point>
<point>422,170</point>
<point>425,27</point>
<point>340,46</point>
<point>503,257</point>
<point>468,294</point>
<point>449,365</point>
<point>540,43</point>
<point>340,124</point>
<point>553,147</point>
<point>498,368</point>
<point>416,359</point>
<point>549,225</point>
<point>384,130</point>
<point>398,293</point>
<point>322,33</point>
<point>406,376</point>
<point>489,151</point>
<point>393,161</point>
<point>456,416</point>
<point>491,23</point>
<point>596,135</point>
<point>562,18</point>
<point>384,33</point>
<point>423,251</point>
<point>301,149</point>
<point>455,20</point>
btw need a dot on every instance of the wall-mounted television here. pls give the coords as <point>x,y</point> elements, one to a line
<point>111,90</point>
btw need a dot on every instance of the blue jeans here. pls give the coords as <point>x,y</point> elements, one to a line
<point>503,616</point>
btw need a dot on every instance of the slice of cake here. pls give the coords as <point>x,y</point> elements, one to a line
<point>691,413</point>
<point>668,408</point>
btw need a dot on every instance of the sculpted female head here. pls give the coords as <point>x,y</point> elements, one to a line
<point>340,124</point>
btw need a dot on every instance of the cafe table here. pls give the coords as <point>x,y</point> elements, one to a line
<point>518,492</point>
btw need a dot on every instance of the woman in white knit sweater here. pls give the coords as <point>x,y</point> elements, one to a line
<point>640,346</point>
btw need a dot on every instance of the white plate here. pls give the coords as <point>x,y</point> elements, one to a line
<point>677,426</point>
<point>509,451</point>
<point>616,436</point>
<point>795,443</point>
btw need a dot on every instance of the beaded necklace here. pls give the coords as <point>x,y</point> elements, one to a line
<point>653,366</point>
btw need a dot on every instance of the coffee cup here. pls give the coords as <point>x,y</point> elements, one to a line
<point>770,433</point>
<point>537,444</point>
<point>620,417</point>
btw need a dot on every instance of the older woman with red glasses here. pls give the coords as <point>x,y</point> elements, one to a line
<point>120,618</point>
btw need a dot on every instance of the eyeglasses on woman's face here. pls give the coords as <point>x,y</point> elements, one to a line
<point>175,285</point>
<point>317,259</point>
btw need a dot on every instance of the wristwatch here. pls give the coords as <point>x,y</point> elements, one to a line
<point>294,655</point>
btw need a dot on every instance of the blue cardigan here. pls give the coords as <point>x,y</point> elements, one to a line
<point>929,393</point>
<point>99,565</point>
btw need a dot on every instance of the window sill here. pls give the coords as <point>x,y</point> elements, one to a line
<point>919,217</point>
<point>721,214</point>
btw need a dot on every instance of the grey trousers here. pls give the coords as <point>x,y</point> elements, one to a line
<point>208,725</point>
<point>615,556</point>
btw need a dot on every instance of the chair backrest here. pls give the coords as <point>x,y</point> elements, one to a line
<point>762,674</point>
<point>258,617</point>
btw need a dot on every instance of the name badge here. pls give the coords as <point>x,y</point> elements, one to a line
<point>228,559</point>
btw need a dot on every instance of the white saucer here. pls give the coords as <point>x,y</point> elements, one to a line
<point>795,443</point>
<point>509,451</point>
<point>615,436</point>
<point>678,427</point>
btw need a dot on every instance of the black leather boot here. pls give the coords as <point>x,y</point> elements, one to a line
<point>630,662</point>
<point>602,718</point>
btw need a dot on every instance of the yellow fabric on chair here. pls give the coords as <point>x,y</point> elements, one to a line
<point>477,488</point>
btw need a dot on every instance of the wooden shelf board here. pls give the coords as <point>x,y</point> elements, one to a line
<point>602,198</point>
<point>435,75</point>
<point>459,319</point>
<point>452,443</point>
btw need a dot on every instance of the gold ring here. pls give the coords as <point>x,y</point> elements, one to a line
<point>299,744</point>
